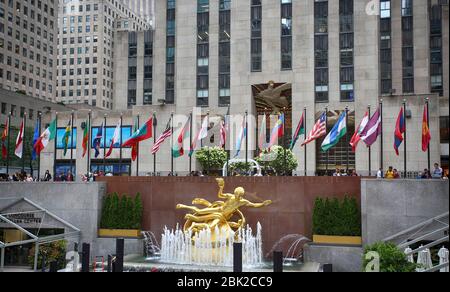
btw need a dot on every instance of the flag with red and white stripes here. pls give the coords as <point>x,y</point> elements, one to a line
<point>19,141</point>
<point>166,134</point>
<point>319,130</point>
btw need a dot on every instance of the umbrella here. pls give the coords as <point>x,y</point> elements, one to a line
<point>424,260</point>
<point>443,259</point>
<point>409,254</point>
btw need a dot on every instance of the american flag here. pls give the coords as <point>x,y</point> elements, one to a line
<point>319,130</point>
<point>166,134</point>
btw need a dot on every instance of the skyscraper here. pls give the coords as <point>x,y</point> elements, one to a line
<point>85,49</point>
<point>28,40</point>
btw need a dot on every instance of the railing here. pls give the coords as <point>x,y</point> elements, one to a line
<point>434,231</point>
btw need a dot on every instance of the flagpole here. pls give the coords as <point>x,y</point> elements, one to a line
<point>404,143</point>
<point>284,142</point>
<point>155,124</point>
<point>190,142</point>
<point>89,143</point>
<point>39,155</point>
<point>382,136</point>
<point>120,157</point>
<point>104,145</point>
<point>56,147</point>
<point>137,148</point>
<point>246,136</point>
<point>9,141</point>
<point>23,140</point>
<point>326,129</point>
<point>171,146</point>
<point>209,154</point>
<point>227,135</point>
<point>370,148</point>
<point>346,139</point>
<point>71,145</point>
<point>428,122</point>
<point>304,125</point>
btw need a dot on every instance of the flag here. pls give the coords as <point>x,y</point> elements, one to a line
<point>242,135</point>
<point>166,134</point>
<point>277,131</point>
<point>115,139</point>
<point>86,135</point>
<point>298,132</point>
<point>373,129</point>
<point>98,141</point>
<point>357,136</point>
<point>224,127</point>
<point>202,134</point>
<point>319,130</point>
<point>19,141</point>
<point>339,130</point>
<point>144,133</point>
<point>134,147</point>
<point>35,138</point>
<point>426,135</point>
<point>263,134</point>
<point>5,140</point>
<point>66,137</point>
<point>400,129</point>
<point>48,135</point>
<point>178,149</point>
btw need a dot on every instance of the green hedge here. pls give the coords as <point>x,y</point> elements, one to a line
<point>392,260</point>
<point>121,212</point>
<point>336,217</point>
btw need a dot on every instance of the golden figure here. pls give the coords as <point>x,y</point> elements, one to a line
<point>219,214</point>
<point>273,96</point>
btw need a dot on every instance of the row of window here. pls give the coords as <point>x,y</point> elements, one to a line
<point>30,82</point>
<point>5,110</point>
<point>170,50</point>
<point>23,66</point>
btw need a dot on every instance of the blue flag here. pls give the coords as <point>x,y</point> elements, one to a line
<point>35,138</point>
<point>98,140</point>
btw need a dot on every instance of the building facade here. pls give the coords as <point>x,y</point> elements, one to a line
<point>266,56</point>
<point>143,8</point>
<point>28,47</point>
<point>85,49</point>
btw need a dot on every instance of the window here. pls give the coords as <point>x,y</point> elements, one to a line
<point>170,51</point>
<point>385,47</point>
<point>224,51</point>
<point>444,129</point>
<point>256,35</point>
<point>202,52</point>
<point>321,51</point>
<point>286,34</point>
<point>346,50</point>
<point>408,47</point>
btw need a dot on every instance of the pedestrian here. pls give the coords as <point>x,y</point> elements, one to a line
<point>396,174</point>
<point>438,173</point>
<point>337,172</point>
<point>390,173</point>
<point>47,176</point>
<point>380,173</point>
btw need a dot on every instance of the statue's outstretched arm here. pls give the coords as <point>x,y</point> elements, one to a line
<point>257,205</point>
<point>221,184</point>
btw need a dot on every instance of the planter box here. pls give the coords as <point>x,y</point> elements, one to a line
<point>337,240</point>
<point>119,233</point>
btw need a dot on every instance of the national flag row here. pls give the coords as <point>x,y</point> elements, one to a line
<point>368,131</point>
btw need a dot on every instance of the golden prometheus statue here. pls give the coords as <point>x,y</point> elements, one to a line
<point>220,213</point>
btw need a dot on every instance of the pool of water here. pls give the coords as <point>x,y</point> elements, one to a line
<point>136,263</point>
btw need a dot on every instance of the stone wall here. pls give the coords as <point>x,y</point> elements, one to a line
<point>389,207</point>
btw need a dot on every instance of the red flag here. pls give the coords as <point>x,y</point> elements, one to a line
<point>400,129</point>
<point>357,136</point>
<point>5,140</point>
<point>426,135</point>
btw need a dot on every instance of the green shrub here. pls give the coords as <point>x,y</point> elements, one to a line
<point>280,160</point>
<point>336,218</point>
<point>211,158</point>
<point>392,260</point>
<point>121,212</point>
<point>55,251</point>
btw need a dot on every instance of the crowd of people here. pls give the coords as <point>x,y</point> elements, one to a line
<point>391,173</point>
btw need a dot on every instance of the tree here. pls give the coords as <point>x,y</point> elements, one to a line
<point>211,158</point>
<point>137,212</point>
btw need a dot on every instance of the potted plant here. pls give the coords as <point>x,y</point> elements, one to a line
<point>278,159</point>
<point>121,216</point>
<point>211,158</point>
<point>337,222</point>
